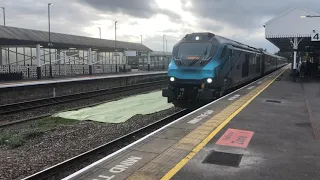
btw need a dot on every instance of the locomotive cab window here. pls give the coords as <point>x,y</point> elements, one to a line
<point>223,53</point>
<point>195,51</point>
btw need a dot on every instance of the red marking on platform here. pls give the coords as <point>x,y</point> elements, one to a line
<point>235,137</point>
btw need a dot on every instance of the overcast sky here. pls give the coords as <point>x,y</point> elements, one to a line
<point>241,20</point>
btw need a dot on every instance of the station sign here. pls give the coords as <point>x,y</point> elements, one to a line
<point>130,53</point>
<point>315,36</point>
<point>73,53</point>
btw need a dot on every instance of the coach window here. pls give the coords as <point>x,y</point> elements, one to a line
<point>245,66</point>
<point>258,65</point>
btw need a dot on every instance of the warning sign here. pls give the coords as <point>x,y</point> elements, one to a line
<point>235,137</point>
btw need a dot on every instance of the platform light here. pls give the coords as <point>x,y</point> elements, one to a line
<point>209,80</point>
<point>310,16</point>
<point>172,79</point>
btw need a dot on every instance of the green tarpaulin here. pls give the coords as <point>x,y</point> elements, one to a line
<point>121,110</point>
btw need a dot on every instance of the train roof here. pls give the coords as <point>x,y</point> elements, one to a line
<point>207,36</point>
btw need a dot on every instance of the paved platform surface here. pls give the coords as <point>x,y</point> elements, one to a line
<point>261,131</point>
<point>283,145</point>
<point>74,79</point>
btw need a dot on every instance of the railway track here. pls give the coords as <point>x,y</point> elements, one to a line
<point>74,164</point>
<point>27,105</point>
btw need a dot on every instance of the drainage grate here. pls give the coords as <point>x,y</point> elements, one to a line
<point>224,159</point>
<point>273,101</point>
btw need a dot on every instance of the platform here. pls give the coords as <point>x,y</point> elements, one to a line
<point>21,91</point>
<point>74,79</point>
<point>261,131</point>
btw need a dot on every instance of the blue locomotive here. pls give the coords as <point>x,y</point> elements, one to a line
<point>205,66</point>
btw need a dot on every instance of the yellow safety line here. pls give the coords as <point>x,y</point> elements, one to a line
<point>185,160</point>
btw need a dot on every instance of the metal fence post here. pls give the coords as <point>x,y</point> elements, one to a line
<point>90,61</point>
<point>149,61</point>
<point>38,61</point>
<point>1,62</point>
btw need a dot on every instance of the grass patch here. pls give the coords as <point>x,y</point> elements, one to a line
<point>14,138</point>
<point>12,141</point>
<point>48,123</point>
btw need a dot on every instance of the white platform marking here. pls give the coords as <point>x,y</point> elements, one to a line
<point>234,97</point>
<point>200,117</point>
<point>251,87</point>
<point>259,82</point>
<point>120,167</point>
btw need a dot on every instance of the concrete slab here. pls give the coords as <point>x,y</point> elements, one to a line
<point>312,99</point>
<point>282,147</point>
<point>173,133</point>
<point>156,145</point>
<point>103,174</point>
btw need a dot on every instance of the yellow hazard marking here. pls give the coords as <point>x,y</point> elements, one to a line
<point>185,160</point>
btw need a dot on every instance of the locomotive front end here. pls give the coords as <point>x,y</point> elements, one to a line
<point>191,71</point>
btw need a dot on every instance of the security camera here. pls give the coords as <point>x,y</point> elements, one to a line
<point>314,31</point>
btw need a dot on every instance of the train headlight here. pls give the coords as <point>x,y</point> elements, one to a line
<point>172,79</point>
<point>209,80</point>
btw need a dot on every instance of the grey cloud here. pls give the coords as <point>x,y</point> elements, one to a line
<point>172,16</point>
<point>136,8</point>
<point>208,25</point>
<point>141,8</point>
<point>65,17</point>
<point>74,16</point>
<point>156,42</point>
<point>247,14</point>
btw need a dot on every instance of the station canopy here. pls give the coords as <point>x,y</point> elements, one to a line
<point>13,36</point>
<point>282,30</point>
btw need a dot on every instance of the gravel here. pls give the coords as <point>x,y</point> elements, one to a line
<point>63,142</point>
<point>71,105</point>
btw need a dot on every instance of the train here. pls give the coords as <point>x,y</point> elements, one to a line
<point>205,66</point>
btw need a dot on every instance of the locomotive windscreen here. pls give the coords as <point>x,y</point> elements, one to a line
<point>195,51</point>
<point>192,51</point>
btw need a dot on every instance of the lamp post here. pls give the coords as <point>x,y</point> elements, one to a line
<point>99,32</point>
<point>115,34</point>
<point>49,44</point>
<point>115,42</point>
<point>141,38</point>
<point>166,45</point>
<point>4,15</point>
<point>4,24</point>
<point>163,43</point>
<point>309,16</point>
